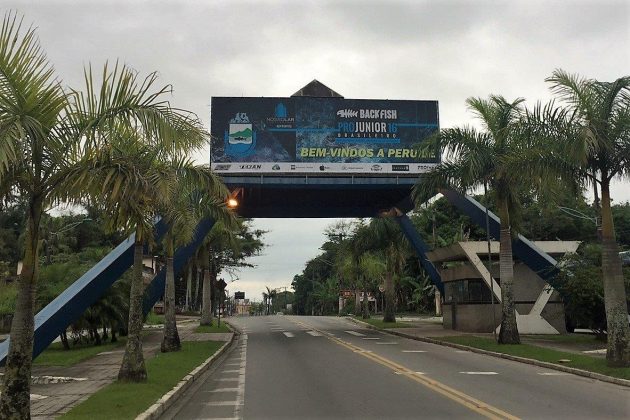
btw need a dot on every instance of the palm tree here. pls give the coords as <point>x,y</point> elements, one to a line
<point>44,131</point>
<point>475,158</point>
<point>222,236</point>
<point>600,143</point>
<point>270,295</point>
<point>199,194</point>
<point>390,240</point>
<point>371,268</point>
<point>133,176</point>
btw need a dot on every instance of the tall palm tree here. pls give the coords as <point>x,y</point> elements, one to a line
<point>199,194</point>
<point>222,236</point>
<point>133,176</point>
<point>474,159</point>
<point>44,131</point>
<point>390,240</point>
<point>600,144</point>
<point>372,268</point>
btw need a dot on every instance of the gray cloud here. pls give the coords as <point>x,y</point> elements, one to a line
<point>444,50</point>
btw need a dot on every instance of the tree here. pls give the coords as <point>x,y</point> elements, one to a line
<point>44,131</point>
<point>474,159</point>
<point>390,240</point>
<point>227,247</point>
<point>199,194</point>
<point>599,143</point>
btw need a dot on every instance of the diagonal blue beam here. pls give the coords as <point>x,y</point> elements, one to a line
<point>66,308</point>
<point>155,289</point>
<point>421,249</point>
<point>525,250</point>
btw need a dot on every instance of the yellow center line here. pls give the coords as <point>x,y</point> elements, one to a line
<point>466,400</point>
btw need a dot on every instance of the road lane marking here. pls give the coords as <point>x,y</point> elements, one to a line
<point>553,373</point>
<point>224,390</point>
<point>219,403</point>
<point>462,351</point>
<point>473,404</point>
<point>370,338</point>
<point>388,343</point>
<point>414,351</point>
<point>232,371</point>
<point>313,333</point>
<point>356,334</point>
<point>479,373</point>
<point>288,334</point>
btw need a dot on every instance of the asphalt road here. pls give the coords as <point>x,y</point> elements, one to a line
<point>324,367</point>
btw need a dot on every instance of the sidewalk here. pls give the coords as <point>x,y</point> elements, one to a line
<point>55,390</point>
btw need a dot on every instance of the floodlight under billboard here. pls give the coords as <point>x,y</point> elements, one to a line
<point>306,135</point>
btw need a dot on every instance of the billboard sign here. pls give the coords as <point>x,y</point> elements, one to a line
<point>297,135</point>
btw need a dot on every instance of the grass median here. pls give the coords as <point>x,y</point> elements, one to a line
<point>56,355</point>
<point>124,400</point>
<point>578,361</point>
<point>378,323</point>
<point>214,328</point>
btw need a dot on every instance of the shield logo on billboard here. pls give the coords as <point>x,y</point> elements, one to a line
<point>240,138</point>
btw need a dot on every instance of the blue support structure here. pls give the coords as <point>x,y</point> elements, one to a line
<point>537,260</point>
<point>72,302</point>
<point>421,249</point>
<point>155,289</point>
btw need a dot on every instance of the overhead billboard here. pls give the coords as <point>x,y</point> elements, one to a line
<point>304,135</point>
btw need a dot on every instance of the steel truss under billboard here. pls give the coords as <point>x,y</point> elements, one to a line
<point>306,135</point>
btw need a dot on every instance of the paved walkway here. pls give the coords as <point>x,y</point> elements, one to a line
<point>55,389</point>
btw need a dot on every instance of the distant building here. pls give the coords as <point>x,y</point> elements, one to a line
<point>463,267</point>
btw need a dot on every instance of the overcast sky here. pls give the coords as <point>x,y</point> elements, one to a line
<point>443,50</point>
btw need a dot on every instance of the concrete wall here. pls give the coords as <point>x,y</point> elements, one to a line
<point>471,318</point>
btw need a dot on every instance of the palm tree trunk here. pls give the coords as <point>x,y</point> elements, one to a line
<point>618,351</point>
<point>389,313</point>
<point>357,301</point>
<point>170,341</point>
<point>132,368</point>
<point>15,397</point>
<point>188,287</point>
<point>206,301</point>
<point>206,305</point>
<point>366,307</point>
<point>509,329</point>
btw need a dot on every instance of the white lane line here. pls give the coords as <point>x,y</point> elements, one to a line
<point>414,351</point>
<point>227,379</point>
<point>363,351</point>
<point>288,334</point>
<point>479,373</point>
<point>356,334</point>
<point>386,343</point>
<point>370,338</point>
<point>224,390</point>
<point>233,371</point>
<point>230,403</point>
<point>313,333</point>
<point>553,373</point>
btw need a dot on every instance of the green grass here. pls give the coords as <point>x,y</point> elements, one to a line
<point>121,400</point>
<point>154,319</point>
<point>579,361</point>
<point>55,355</point>
<point>380,324</point>
<point>568,338</point>
<point>213,328</point>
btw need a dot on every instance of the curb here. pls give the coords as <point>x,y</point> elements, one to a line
<point>566,369</point>
<point>168,399</point>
